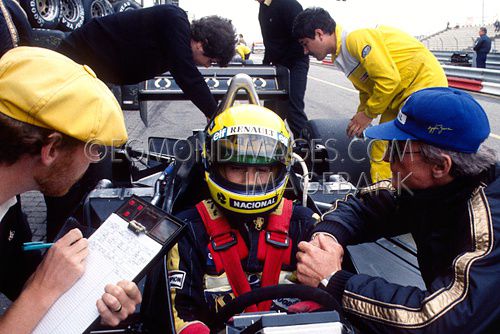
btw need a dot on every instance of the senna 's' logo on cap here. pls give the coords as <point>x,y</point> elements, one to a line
<point>437,129</point>
<point>402,117</point>
<point>251,205</point>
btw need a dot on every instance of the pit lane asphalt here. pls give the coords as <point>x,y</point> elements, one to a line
<point>329,95</point>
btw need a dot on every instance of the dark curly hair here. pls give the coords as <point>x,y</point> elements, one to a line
<point>19,138</point>
<point>311,19</point>
<point>217,35</point>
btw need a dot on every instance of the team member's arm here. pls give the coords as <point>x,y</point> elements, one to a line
<point>62,266</point>
<point>186,270</point>
<point>478,45</point>
<point>365,217</point>
<point>184,70</point>
<point>367,46</point>
<point>8,33</point>
<point>463,299</point>
<point>363,99</point>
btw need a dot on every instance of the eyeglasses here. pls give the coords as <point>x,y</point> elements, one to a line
<point>397,150</point>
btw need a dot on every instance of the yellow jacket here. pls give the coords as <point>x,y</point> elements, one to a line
<point>385,65</point>
<point>242,50</point>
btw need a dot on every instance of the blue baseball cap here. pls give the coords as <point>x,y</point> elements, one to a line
<point>444,117</point>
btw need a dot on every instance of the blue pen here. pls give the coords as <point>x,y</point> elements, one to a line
<point>35,245</point>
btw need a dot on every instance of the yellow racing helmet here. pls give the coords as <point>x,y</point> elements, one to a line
<point>247,136</point>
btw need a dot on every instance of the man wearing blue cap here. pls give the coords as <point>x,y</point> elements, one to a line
<point>445,191</point>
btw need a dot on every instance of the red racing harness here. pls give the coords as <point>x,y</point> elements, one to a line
<point>228,248</point>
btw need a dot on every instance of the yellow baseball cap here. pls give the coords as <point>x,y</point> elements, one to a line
<point>47,89</point>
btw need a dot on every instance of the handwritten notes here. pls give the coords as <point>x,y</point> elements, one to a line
<point>115,253</point>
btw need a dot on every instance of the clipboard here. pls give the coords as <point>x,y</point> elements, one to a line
<point>126,245</point>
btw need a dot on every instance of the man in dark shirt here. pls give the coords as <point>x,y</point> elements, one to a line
<point>482,48</point>
<point>136,45</point>
<point>276,21</point>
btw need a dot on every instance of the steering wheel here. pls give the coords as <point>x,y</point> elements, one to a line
<point>303,292</point>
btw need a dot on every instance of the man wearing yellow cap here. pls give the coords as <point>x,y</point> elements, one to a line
<point>51,109</point>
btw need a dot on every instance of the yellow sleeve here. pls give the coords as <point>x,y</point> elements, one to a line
<point>367,46</point>
<point>363,98</point>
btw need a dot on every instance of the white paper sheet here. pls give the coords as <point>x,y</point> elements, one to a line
<point>115,253</point>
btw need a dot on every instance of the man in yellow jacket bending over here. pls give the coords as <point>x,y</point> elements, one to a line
<point>243,51</point>
<point>384,64</point>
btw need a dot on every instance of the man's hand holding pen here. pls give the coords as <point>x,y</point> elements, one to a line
<point>62,266</point>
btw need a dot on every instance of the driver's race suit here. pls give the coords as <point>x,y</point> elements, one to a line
<point>456,229</point>
<point>198,290</point>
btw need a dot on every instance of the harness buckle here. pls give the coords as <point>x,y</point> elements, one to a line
<point>225,244</point>
<point>277,243</point>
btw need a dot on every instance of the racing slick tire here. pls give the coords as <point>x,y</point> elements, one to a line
<point>72,15</point>
<point>96,8</point>
<point>123,5</point>
<point>47,38</point>
<point>42,13</point>
<point>40,37</point>
<point>344,156</point>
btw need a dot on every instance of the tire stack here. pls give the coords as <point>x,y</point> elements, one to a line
<point>68,15</point>
<point>45,23</point>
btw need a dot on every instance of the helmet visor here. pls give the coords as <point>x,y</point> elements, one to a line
<point>250,149</point>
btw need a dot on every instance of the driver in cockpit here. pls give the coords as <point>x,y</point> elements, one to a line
<point>246,234</point>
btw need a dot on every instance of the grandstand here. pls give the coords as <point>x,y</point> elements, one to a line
<point>460,39</point>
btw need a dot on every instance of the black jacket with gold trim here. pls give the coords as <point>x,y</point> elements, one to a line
<point>456,229</point>
<point>197,290</point>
